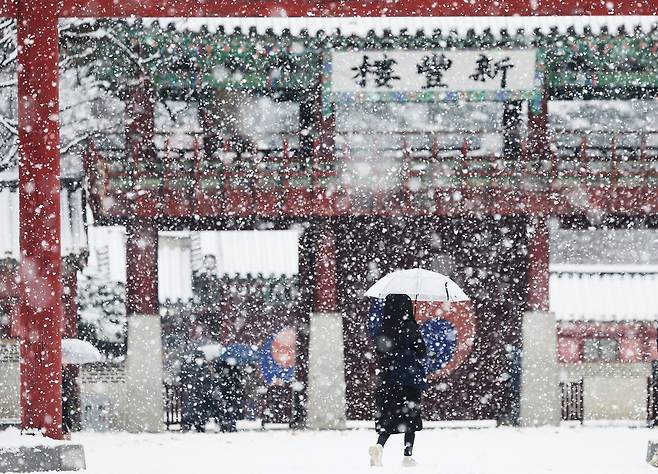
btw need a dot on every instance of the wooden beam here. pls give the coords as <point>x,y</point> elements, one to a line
<point>296,8</point>
<point>349,8</point>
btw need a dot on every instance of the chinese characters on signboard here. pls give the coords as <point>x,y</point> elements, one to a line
<point>488,69</point>
<point>433,66</point>
<point>418,71</point>
<point>380,71</point>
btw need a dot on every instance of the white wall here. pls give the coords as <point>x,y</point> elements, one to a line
<point>73,234</point>
<point>253,251</point>
<point>174,266</point>
<point>8,223</point>
<point>9,380</point>
<point>615,398</point>
<point>611,391</point>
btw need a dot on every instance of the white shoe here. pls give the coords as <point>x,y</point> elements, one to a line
<point>408,461</point>
<point>376,452</point>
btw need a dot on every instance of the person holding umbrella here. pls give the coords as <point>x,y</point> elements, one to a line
<point>400,347</point>
<point>75,352</point>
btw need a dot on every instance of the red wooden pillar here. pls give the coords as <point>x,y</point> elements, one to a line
<point>142,268</point>
<point>538,237</point>
<point>141,125</point>
<point>325,408</point>
<point>324,296</point>
<point>318,290</point>
<point>538,128</point>
<point>141,148</point>
<point>538,260</point>
<point>40,287</point>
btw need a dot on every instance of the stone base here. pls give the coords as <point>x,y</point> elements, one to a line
<point>540,396</point>
<point>652,453</point>
<point>144,389</point>
<point>66,457</point>
<point>326,373</point>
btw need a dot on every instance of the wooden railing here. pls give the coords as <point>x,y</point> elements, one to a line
<point>375,172</point>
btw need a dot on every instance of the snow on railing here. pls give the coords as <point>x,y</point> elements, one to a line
<point>365,169</point>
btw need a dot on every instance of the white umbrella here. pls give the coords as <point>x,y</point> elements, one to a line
<point>211,351</point>
<point>419,285</point>
<point>77,351</point>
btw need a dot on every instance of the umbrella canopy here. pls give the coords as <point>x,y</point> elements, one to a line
<point>278,357</point>
<point>419,285</point>
<point>211,351</point>
<point>77,351</point>
<point>233,354</point>
<point>239,354</point>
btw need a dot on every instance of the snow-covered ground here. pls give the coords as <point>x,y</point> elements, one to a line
<point>566,450</point>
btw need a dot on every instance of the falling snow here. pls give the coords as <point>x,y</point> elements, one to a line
<point>222,217</point>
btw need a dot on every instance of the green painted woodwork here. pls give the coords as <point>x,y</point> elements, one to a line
<point>183,62</point>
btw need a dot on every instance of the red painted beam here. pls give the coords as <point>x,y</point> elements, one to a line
<point>217,8</point>
<point>38,179</point>
<point>369,8</point>
<point>220,8</point>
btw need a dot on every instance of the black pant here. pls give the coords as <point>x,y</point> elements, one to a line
<point>409,438</point>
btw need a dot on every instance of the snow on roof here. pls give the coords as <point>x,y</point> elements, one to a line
<point>604,116</point>
<point>590,296</point>
<point>604,274</point>
<point>361,25</point>
<point>602,268</point>
<point>604,246</point>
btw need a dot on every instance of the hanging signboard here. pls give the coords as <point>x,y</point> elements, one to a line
<point>431,75</point>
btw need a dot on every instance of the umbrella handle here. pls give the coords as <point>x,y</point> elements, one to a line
<point>415,306</point>
<point>447,294</point>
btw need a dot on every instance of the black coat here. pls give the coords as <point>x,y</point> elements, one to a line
<point>229,393</point>
<point>69,405</point>
<point>196,393</point>
<point>400,347</point>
